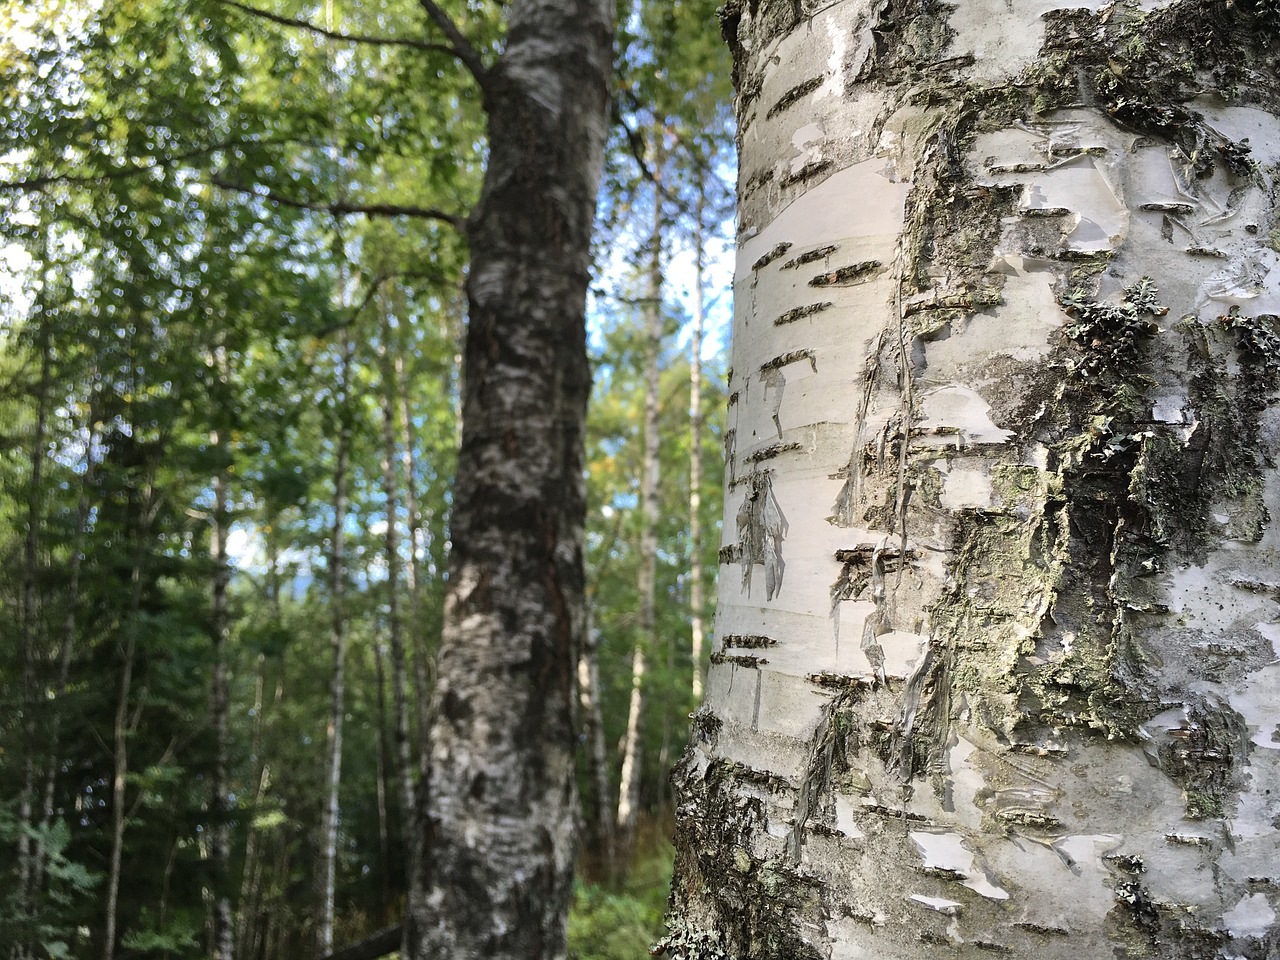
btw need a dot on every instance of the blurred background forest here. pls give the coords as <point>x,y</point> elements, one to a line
<point>231,296</point>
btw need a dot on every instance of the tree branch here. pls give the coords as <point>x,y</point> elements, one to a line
<point>372,290</point>
<point>48,180</point>
<point>459,45</point>
<point>341,208</point>
<point>303,24</point>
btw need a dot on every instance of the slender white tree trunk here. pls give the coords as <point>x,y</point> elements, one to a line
<point>646,583</point>
<point>413,570</point>
<point>591,717</point>
<point>223,946</point>
<point>338,648</point>
<point>405,759</point>
<point>697,600</point>
<point>996,650</point>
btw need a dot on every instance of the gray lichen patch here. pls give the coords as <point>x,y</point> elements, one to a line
<point>747,641</point>
<point>762,527</point>
<point>776,253</point>
<point>739,660</point>
<point>795,356</point>
<point>811,256</point>
<point>794,96</point>
<point>800,313</point>
<point>772,451</point>
<point>849,275</point>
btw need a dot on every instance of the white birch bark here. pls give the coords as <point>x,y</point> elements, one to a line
<point>326,875</point>
<point>697,598</point>
<point>996,651</point>
<point>223,927</point>
<point>646,581</point>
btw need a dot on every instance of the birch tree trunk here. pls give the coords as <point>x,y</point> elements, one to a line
<point>223,940</point>
<point>646,582</point>
<point>996,654</point>
<point>500,804</point>
<point>29,853</point>
<point>338,646</point>
<point>421,671</point>
<point>405,759</point>
<point>697,598</point>
<point>599,800</point>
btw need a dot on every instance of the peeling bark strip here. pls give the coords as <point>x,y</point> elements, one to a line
<point>1037,487</point>
<point>500,807</point>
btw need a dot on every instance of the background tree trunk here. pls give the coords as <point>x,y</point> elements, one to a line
<point>632,774</point>
<point>697,600</point>
<point>500,806</point>
<point>338,647</point>
<point>223,946</point>
<point>996,649</point>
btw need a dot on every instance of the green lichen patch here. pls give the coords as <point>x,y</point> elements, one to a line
<point>755,904</point>
<point>684,941</point>
<point>1205,754</point>
<point>1112,336</point>
<point>1257,338</point>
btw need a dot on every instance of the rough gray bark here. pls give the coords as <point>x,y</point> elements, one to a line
<point>500,807</point>
<point>999,673</point>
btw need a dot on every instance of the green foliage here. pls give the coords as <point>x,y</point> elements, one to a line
<point>622,923</point>
<point>51,924</point>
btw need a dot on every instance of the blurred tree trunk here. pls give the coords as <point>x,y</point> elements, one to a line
<point>223,947</point>
<point>405,760</point>
<point>326,874</point>
<point>500,807</point>
<point>599,803</point>
<point>697,600</point>
<point>646,584</point>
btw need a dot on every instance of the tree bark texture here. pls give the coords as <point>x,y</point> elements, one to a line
<point>500,807</point>
<point>995,661</point>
